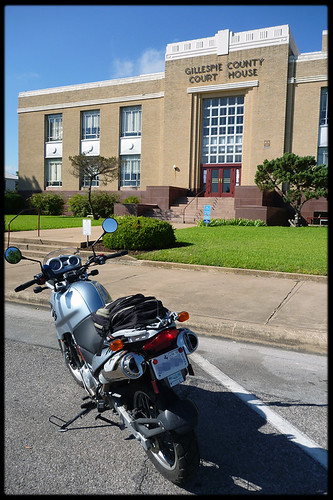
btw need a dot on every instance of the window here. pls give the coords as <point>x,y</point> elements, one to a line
<point>130,170</point>
<point>54,128</point>
<point>53,172</point>
<point>323,107</point>
<point>90,124</point>
<point>86,181</point>
<point>322,155</point>
<point>222,138</point>
<point>131,121</point>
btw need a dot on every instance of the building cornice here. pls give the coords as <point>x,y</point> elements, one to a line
<point>223,86</point>
<point>308,79</point>
<point>91,102</point>
<point>93,85</point>
<point>225,41</point>
<point>308,56</point>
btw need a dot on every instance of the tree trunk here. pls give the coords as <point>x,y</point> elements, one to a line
<point>95,217</point>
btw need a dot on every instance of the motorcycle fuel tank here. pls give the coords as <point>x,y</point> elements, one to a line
<point>72,309</point>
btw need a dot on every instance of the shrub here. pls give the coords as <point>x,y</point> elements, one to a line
<point>48,203</point>
<point>79,205</point>
<point>140,233</point>
<point>233,222</point>
<point>14,203</point>
<point>132,199</point>
<point>103,203</point>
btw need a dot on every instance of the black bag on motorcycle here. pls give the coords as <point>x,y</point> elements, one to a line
<point>133,311</point>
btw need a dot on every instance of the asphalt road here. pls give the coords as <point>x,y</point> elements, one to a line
<point>241,452</point>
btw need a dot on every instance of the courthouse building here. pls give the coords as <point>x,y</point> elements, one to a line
<point>222,106</point>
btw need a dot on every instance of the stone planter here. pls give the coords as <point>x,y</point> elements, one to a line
<point>136,209</point>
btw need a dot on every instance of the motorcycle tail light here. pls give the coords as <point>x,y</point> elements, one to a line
<point>183,316</point>
<point>161,341</point>
<point>116,345</point>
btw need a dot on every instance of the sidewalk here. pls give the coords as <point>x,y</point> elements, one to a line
<point>277,309</point>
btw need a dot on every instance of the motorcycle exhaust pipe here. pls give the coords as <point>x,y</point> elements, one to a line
<point>121,366</point>
<point>133,365</point>
<point>188,340</point>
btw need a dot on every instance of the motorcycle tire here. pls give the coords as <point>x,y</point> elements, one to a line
<point>175,456</point>
<point>70,362</point>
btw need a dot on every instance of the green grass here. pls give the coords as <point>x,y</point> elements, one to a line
<point>284,249</point>
<point>30,222</point>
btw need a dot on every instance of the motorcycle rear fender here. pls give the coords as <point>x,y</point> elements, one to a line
<point>181,416</point>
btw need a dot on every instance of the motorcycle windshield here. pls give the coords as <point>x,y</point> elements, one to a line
<point>63,260</point>
<point>61,252</point>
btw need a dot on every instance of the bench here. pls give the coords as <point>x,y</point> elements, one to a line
<point>318,218</point>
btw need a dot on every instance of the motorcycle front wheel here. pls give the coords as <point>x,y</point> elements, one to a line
<point>71,361</point>
<point>175,456</point>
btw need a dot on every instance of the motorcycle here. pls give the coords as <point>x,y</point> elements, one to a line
<point>131,371</point>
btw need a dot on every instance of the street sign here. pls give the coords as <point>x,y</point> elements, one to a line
<point>207,210</point>
<point>86,226</point>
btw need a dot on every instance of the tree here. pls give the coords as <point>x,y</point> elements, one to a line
<point>91,167</point>
<point>304,178</point>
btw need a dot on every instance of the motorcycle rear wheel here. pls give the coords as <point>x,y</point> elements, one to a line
<point>175,456</point>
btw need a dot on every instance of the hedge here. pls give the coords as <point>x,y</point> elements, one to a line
<point>233,222</point>
<point>140,233</point>
<point>14,203</point>
<point>102,201</point>
<point>48,203</point>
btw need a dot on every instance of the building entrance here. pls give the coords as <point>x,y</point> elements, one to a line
<point>220,180</point>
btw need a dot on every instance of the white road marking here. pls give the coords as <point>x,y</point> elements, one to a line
<point>283,426</point>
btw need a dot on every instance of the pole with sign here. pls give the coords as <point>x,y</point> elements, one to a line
<point>86,226</point>
<point>207,211</point>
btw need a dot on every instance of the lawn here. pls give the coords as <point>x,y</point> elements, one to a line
<point>273,248</point>
<point>284,249</point>
<point>30,222</point>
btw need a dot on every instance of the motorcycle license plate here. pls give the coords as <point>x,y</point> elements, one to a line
<point>175,378</point>
<point>169,363</point>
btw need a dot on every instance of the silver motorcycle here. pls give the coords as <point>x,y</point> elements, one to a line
<point>132,371</point>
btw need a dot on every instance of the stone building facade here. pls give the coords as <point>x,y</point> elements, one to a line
<point>222,105</point>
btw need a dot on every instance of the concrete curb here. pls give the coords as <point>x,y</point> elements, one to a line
<point>283,337</point>
<point>250,272</point>
<point>314,342</point>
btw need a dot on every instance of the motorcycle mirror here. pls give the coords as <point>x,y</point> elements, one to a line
<point>13,255</point>
<point>109,225</point>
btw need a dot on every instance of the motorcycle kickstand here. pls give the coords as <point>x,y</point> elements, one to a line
<point>87,408</point>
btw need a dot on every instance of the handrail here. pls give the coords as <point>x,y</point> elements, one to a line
<point>24,210</point>
<point>194,198</point>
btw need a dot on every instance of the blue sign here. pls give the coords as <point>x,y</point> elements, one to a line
<point>207,210</point>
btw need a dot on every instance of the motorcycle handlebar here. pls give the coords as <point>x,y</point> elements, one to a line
<point>104,257</point>
<point>117,254</point>
<point>101,258</point>
<point>25,285</point>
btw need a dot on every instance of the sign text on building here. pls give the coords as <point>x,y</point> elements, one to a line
<point>235,69</point>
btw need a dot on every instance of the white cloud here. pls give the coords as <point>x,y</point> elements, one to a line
<point>121,69</point>
<point>10,169</point>
<point>150,61</point>
<point>27,76</point>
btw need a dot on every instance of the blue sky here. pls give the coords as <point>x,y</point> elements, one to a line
<point>51,46</point>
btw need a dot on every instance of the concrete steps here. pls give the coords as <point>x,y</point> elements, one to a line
<point>191,209</point>
<point>38,248</point>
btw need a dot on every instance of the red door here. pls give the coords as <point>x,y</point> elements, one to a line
<point>220,181</point>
